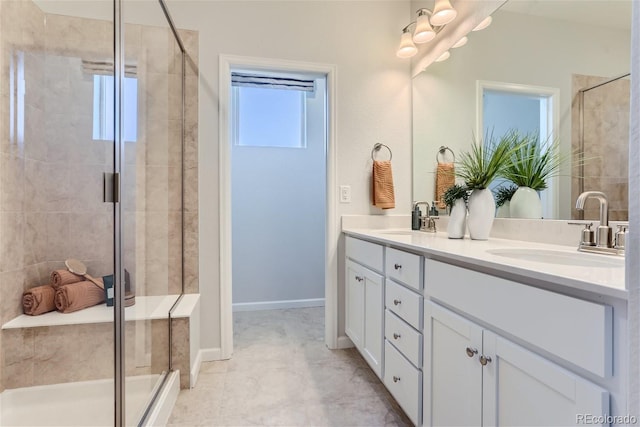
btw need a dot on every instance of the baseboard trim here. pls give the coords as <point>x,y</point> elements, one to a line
<point>195,369</point>
<point>278,305</point>
<point>210,354</point>
<point>344,342</point>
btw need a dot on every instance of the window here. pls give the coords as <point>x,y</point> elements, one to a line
<point>103,108</point>
<point>269,117</point>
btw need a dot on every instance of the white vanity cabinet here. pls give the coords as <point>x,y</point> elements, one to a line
<point>364,300</point>
<point>496,381</point>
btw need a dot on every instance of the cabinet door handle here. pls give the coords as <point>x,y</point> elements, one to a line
<point>359,279</point>
<point>471,351</point>
<point>484,360</point>
<point>397,266</point>
<point>396,379</point>
<point>396,336</point>
<point>397,302</point>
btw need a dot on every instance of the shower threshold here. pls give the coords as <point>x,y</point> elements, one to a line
<point>85,403</point>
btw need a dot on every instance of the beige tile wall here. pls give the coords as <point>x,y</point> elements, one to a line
<point>606,135</point>
<point>51,173</point>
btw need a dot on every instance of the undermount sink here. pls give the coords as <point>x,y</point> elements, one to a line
<point>548,256</point>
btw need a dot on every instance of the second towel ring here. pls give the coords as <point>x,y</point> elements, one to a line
<point>442,150</point>
<point>377,147</point>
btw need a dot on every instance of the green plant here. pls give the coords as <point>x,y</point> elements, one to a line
<point>504,194</point>
<point>532,162</point>
<point>453,193</point>
<point>485,162</point>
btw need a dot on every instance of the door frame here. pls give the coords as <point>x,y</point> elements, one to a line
<point>332,229</point>
<point>551,200</point>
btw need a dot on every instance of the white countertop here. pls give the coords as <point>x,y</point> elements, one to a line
<point>601,274</point>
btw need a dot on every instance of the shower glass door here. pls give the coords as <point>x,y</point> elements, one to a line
<point>151,199</point>
<point>55,147</point>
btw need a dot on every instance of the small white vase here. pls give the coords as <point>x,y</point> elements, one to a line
<point>457,220</point>
<point>504,210</point>
<point>482,209</point>
<point>525,203</point>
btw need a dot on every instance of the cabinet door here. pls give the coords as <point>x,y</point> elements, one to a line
<point>452,371</point>
<point>522,388</point>
<point>354,320</point>
<point>365,312</point>
<point>373,321</point>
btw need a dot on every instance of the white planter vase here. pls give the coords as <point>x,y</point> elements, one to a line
<point>525,203</point>
<point>482,209</point>
<point>504,210</point>
<point>457,220</point>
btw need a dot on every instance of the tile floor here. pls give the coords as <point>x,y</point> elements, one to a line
<point>282,374</point>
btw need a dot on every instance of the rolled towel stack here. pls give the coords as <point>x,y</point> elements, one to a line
<point>67,293</point>
<point>76,296</point>
<point>39,300</point>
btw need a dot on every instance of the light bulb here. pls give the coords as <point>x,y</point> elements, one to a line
<point>443,13</point>
<point>484,24</point>
<point>461,42</point>
<point>424,32</point>
<point>443,57</point>
<point>406,49</point>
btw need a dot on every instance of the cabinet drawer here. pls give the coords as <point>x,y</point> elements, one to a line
<point>405,303</point>
<point>366,253</point>
<point>403,337</point>
<point>403,267</point>
<point>404,382</point>
<point>578,331</point>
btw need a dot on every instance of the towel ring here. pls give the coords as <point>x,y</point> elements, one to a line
<point>442,150</point>
<point>377,147</point>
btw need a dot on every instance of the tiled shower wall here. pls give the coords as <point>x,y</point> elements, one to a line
<point>606,147</point>
<point>51,169</point>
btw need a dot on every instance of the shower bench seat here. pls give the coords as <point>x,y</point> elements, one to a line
<point>47,335</point>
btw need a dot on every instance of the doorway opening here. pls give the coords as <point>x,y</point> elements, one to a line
<point>254,212</point>
<point>503,107</point>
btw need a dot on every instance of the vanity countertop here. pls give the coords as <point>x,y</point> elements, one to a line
<point>553,264</point>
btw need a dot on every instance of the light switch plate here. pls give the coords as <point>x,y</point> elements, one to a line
<point>345,194</point>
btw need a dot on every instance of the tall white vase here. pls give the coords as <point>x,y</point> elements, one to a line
<point>457,220</point>
<point>482,209</point>
<point>525,203</point>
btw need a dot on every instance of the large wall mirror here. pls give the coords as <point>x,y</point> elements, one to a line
<point>567,62</point>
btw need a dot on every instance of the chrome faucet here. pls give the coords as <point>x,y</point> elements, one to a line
<point>427,222</point>
<point>602,241</point>
<point>603,233</point>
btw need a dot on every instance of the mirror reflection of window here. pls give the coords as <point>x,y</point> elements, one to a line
<point>103,108</point>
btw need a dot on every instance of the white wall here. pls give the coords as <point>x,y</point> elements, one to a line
<point>373,99</point>
<point>518,49</point>
<point>278,205</point>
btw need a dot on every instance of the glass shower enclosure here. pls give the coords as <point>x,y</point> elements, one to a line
<point>92,167</point>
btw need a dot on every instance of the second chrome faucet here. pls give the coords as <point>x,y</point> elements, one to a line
<point>602,242</point>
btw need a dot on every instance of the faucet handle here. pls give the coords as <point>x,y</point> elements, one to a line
<point>620,236</point>
<point>588,235</point>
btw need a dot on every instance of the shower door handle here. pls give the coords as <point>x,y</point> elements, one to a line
<point>111,187</point>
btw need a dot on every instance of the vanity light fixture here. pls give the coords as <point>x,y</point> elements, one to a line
<point>461,42</point>
<point>443,57</point>
<point>425,27</point>
<point>484,24</point>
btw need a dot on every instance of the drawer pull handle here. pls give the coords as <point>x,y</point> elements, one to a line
<point>484,360</point>
<point>396,379</point>
<point>359,279</point>
<point>397,302</point>
<point>396,336</point>
<point>397,266</point>
<point>471,351</point>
